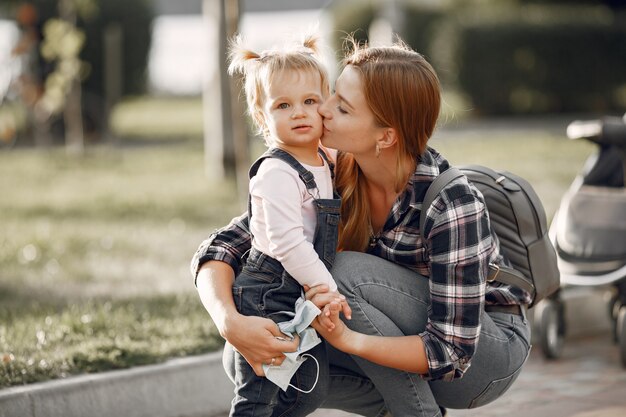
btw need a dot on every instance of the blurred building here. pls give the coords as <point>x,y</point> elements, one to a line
<point>178,60</point>
<point>9,35</point>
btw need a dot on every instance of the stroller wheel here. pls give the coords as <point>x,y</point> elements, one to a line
<point>614,307</point>
<point>621,333</point>
<point>551,330</point>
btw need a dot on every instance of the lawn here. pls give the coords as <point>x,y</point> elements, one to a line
<point>94,251</point>
<point>94,256</point>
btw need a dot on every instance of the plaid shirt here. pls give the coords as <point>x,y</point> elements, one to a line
<point>454,250</point>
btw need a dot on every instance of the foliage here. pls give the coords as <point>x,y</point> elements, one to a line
<point>515,57</point>
<point>558,59</point>
<point>351,18</point>
<point>94,17</point>
<point>62,44</point>
<point>135,20</point>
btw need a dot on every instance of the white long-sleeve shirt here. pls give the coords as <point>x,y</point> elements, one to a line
<point>284,219</point>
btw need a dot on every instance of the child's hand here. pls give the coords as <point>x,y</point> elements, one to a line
<point>330,327</point>
<point>321,296</point>
<point>324,318</point>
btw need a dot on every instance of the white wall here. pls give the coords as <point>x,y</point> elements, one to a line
<point>178,57</point>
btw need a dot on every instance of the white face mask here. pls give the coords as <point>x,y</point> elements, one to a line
<point>305,313</point>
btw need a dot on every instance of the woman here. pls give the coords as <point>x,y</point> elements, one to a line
<point>422,309</point>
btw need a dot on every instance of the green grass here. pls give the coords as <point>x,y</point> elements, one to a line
<point>94,251</point>
<point>177,118</point>
<point>94,256</point>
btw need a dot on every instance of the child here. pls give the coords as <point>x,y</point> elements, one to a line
<point>293,214</point>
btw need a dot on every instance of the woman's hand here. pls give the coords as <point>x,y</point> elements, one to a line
<point>256,338</point>
<point>339,335</point>
<point>259,341</point>
<point>321,296</point>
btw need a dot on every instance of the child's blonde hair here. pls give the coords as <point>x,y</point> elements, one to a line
<point>259,69</point>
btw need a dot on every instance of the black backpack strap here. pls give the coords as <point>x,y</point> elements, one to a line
<point>510,276</point>
<point>440,182</point>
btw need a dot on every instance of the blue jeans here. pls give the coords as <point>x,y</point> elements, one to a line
<point>359,386</point>
<point>265,289</point>
<point>389,300</point>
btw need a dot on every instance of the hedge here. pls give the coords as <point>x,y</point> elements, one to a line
<point>543,61</point>
<point>515,59</point>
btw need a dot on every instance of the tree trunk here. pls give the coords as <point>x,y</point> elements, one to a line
<point>72,113</point>
<point>225,133</point>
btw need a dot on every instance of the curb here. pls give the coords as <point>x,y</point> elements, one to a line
<point>191,387</point>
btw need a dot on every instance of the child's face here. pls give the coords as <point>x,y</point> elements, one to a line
<point>290,109</point>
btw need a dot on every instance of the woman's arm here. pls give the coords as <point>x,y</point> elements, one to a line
<point>254,337</point>
<point>227,244</point>
<point>406,353</point>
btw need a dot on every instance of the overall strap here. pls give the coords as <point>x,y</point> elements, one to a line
<point>305,175</point>
<point>331,165</point>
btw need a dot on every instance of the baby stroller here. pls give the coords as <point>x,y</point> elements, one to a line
<point>589,233</point>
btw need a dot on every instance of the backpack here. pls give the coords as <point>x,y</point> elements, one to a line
<point>519,220</point>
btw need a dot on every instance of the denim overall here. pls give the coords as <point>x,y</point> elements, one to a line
<point>265,289</point>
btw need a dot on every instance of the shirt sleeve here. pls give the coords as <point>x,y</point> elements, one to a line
<point>227,244</point>
<point>284,224</point>
<point>458,235</point>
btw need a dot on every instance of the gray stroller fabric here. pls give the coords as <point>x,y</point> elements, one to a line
<point>594,224</point>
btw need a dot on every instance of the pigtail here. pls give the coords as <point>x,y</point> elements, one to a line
<point>239,56</point>
<point>312,42</point>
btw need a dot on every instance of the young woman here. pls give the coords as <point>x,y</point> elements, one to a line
<point>427,329</point>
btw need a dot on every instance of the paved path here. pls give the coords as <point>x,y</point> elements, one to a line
<point>587,381</point>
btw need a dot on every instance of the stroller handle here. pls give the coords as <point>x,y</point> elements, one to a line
<point>609,131</point>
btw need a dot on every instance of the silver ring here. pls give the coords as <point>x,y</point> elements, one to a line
<point>273,360</point>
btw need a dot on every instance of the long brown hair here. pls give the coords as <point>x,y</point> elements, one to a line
<point>402,91</point>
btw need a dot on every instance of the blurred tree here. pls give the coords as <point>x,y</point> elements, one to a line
<point>52,71</point>
<point>225,137</point>
<point>69,45</point>
<point>613,4</point>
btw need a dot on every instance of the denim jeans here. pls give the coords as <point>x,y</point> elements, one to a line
<point>358,386</point>
<point>264,289</point>
<point>389,300</point>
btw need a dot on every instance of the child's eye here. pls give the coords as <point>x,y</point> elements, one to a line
<point>283,106</point>
<point>341,110</point>
<point>309,101</point>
